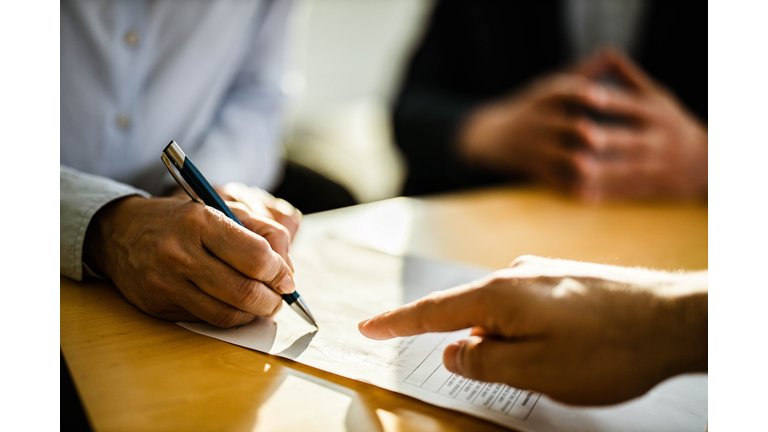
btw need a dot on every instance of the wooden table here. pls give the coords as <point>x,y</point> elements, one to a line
<point>137,373</point>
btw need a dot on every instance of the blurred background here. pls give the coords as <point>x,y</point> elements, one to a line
<point>345,61</point>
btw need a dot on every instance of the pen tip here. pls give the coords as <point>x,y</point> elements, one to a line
<point>301,308</point>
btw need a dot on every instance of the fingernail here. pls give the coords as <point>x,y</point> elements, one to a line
<point>287,285</point>
<point>455,361</point>
<point>362,323</point>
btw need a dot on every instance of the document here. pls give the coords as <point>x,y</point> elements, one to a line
<point>345,283</point>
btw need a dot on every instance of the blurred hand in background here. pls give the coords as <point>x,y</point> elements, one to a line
<point>592,138</point>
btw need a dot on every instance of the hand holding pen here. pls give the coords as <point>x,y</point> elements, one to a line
<point>182,261</point>
<point>197,187</point>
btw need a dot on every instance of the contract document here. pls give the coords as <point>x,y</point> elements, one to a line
<point>344,284</point>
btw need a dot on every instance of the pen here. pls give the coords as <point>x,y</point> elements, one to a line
<point>204,193</point>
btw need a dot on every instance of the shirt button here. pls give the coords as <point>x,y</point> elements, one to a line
<point>131,38</point>
<point>123,121</point>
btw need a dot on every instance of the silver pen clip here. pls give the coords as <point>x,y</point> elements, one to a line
<point>180,180</point>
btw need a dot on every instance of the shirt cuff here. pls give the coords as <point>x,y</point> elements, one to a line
<point>81,196</point>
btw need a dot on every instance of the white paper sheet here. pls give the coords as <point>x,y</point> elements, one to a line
<point>344,284</point>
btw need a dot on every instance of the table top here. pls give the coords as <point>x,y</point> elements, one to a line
<point>135,372</point>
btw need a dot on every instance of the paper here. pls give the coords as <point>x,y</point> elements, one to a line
<point>344,284</point>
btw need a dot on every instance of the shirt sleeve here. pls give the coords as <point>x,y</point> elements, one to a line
<point>80,197</point>
<point>244,143</point>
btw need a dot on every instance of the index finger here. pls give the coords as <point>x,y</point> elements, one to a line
<point>443,311</point>
<point>247,252</point>
<point>273,232</point>
<point>264,204</point>
<point>286,215</point>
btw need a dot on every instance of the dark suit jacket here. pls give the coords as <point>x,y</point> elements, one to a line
<point>475,51</point>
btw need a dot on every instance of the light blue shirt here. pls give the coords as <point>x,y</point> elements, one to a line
<point>137,74</point>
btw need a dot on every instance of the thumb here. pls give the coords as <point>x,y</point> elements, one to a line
<point>482,359</point>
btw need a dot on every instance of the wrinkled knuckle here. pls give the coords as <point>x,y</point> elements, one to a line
<point>426,305</point>
<point>261,246</point>
<point>155,309</point>
<point>428,301</point>
<point>278,304</point>
<point>191,213</point>
<point>155,286</point>
<point>195,218</point>
<point>171,252</point>
<point>155,303</point>
<point>285,233</point>
<point>228,318</point>
<point>161,309</point>
<point>259,252</point>
<point>280,235</point>
<point>154,283</point>
<point>248,293</point>
<point>166,246</point>
<point>282,272</point>
<point>255,297</point>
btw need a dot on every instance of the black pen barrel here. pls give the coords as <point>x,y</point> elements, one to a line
<point>205,191</point>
